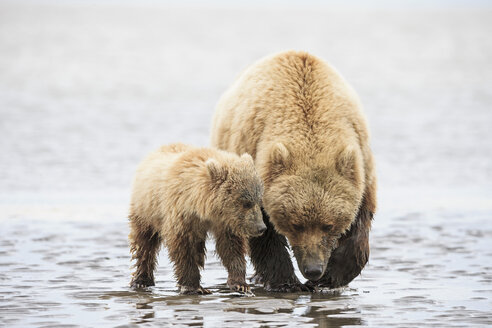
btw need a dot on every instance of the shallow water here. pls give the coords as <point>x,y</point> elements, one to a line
<point>87,88</point>
<point>429,269</point>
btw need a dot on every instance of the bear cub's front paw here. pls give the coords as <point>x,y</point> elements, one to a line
<point>242,288</point>
<point>238,285</point>
<point>187,290</point>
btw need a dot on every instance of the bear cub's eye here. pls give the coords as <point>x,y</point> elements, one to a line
<point>298,227</point>
<point>326,227</point>
<point>247,204</point>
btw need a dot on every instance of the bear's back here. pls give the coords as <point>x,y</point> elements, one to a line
<point>154,180</point>
<point>292,97</point>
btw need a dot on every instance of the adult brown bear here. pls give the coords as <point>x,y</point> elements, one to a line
<point>303,125</point>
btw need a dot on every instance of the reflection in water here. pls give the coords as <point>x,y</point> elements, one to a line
<point>332,318</point>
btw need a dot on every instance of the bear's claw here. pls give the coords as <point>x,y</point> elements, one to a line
<point>186,290</point>
<point>312,286</point>
<point>287,288</point>
<point>241,288</point>
<point>140,283</point>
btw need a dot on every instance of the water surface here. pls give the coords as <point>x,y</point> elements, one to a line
<point>425,269</point>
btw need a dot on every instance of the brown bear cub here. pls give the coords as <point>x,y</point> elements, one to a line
<point>180,193</point>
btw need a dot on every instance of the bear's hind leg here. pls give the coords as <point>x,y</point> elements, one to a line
<point>145,243</point>
<point>187,251</point>
<point>272,261</point>
<point>232,250</point>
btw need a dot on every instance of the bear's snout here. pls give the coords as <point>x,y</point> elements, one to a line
<point>255,226</point>
<point>256,229</point>
<point>311,260</point>
<point>261,228</point>
<point>313,271</point>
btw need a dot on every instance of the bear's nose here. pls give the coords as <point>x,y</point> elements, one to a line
<point>313,272</point>
<point>261,228</point>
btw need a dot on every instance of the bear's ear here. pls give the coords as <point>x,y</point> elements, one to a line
<point>279,154</point>
<point>349,164</point>
<point>247,157</point>
<point>279,157</point>
<point>273,160</point>
<point>216,171</point>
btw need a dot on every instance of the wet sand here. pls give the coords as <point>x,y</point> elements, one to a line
<point>87,89</point>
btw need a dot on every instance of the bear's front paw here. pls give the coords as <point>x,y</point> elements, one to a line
<point>187,290</point>
<point>238,284</point>
<point>287,288</point>
<point>140,282</point>
<point>312,286</point>
<point>242,288</point>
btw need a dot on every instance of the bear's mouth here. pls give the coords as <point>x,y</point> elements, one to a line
<point>313,271</point>
<point>312,264</point>
<point>257,230</point>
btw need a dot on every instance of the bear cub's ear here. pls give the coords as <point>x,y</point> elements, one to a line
<point>216,171</point>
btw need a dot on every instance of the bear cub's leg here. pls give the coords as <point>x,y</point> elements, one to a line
<point>145,243</point>
<point>187,251</point>
<point>232,250</point>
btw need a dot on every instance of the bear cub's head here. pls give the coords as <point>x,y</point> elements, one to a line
<point>238,193</point>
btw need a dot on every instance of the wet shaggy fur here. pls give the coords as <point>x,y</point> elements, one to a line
<point>304,127</point>
<point>182,192</point>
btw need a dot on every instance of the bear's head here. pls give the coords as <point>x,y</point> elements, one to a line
<point>312,201</point>
<point>238,193</point>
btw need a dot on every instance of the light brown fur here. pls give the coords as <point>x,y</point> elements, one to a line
<point>179,194</point>
<point>304,127</point>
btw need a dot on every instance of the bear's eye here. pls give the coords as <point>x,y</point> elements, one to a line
<point>326,227</point>
<point>247,204</point>
<point>298,227</point>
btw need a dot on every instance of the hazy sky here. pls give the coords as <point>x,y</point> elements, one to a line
<point>326,3</point>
